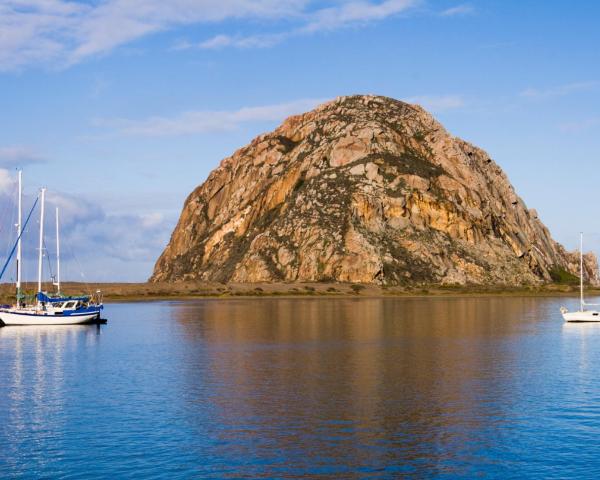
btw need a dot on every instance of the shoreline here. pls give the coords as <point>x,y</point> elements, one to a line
<point>130,292</point>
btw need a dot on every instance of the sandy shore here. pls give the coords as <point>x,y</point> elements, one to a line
<point>158,291</point>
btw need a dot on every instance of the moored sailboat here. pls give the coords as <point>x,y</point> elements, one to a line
<point>45,309</point>
<point>582,315</point>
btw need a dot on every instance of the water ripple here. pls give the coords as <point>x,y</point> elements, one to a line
<point>305,388</point>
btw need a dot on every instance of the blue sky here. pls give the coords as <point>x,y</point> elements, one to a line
<point>122,107</point>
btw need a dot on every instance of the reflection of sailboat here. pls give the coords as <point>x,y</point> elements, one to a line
<point>582,315</point>
<point>54,331</point>
<point>45,309</point>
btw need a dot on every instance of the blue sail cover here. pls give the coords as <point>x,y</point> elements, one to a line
<point>42,297</point>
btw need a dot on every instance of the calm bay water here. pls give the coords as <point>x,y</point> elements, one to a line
<point>289,388</point>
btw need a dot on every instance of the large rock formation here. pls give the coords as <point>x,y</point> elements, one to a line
<point>362,189</point>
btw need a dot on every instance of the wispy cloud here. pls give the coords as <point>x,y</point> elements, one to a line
<point>560,90</point>
<point>60,33</point>
<point>202,121</point>
<point>7,183</point>
<point>63,32</point>
<point>438,103</point>
<point>236,41</point>
<point>464,9</point>
<point>355,12</point>
<point>580,125</point>
<point>124,237</point>
<point>344,14</point>
<point>88,252</point>
<point>18,156</point>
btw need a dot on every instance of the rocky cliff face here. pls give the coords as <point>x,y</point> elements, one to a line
<point>362,189</point>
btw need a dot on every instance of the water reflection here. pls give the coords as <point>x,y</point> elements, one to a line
<point>581,329</point>
<point>34,383</point>
<point>318,388</point>
<point>375,382</point>
<point>581,342</point>
<point>52,332</point>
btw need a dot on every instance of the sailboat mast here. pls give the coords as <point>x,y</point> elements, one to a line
<point>581,272</point>
<point>19,229</point>
<point>57,254</point>
<point>41,249</point>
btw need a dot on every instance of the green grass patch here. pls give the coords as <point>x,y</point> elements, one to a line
<point>561,276</point>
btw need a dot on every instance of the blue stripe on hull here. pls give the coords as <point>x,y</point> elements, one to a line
<point>75,313</point>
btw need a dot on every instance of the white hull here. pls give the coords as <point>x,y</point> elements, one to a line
<point>45,310</point>
<point>587,316</point>
<point>582,315</point>
<point>10,318</point>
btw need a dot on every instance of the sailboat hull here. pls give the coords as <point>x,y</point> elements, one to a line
<point>14,318</point>
<point>588,316</point>
<point>582,315</point>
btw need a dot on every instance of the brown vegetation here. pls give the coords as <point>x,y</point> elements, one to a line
<point>189,290</point>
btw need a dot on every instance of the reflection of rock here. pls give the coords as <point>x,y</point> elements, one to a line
<point>326,377</point>
<point>362,189</point>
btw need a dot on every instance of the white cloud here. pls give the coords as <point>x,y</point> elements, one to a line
<point>344,14</point>
<point>7,182</point>
<point>559,91</point>
<point>252,41</point>
<point>438,103</point>
<point>61,32</point>
<point>356,12</point>
<point>579,126</point>
<point>16,156</point>
<point>95,245</point>
<point>463,9</point>
<point>202,121</point>
<point>73,209</point>
<point>153,219</point>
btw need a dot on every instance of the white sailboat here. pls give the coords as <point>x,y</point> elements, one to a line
<point>47,309</point>
<point>582,315</point>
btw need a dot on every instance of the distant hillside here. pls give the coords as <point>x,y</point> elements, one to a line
<point>362,189</point>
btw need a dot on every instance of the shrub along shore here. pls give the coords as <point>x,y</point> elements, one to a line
<point>188,290</point>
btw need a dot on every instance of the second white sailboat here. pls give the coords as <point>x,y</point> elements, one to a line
<point>582,315</point>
